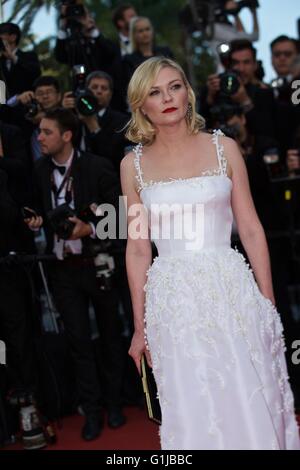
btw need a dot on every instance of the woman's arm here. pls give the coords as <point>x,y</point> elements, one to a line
<point>138,256</point>
<point>249,227</point>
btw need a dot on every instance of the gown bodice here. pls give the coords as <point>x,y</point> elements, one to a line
<point>189,214</point>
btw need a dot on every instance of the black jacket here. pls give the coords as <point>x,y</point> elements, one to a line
<point>110,140</point>
<point>94,181</point>
<point>9,219</point>
<point>15,162</point>
<point>96,54</point>
<point>20,76</point>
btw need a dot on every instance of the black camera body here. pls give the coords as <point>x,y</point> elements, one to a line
<point>73,12</point>
<point>73,9</point>
<point>32,109</point>
<point>86,102</point>
<point>199,14</point>
<point>239,6</point>
<point>222,113</point>
<point>59,221</point>
<point>229,83</point>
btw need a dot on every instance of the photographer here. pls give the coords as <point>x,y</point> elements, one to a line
<point>122,16</point>
<point>19,68</point>
<point>272,212</point>
<point>27,109</point>
<point>211,18</point>
<point>241,86</point>
<point>79,41</point>
<point>103,131</point>
<point>285,61</point>
<point>67,183</point>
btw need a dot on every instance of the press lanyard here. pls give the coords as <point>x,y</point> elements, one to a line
<point>67,181</point>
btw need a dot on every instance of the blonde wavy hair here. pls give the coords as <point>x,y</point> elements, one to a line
<point>140,129</point>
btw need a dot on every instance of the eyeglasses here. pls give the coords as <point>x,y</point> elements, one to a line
<point>286,54</point>
<point>42,94</point>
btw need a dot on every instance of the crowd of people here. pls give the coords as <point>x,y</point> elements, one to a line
<point>57,153</point>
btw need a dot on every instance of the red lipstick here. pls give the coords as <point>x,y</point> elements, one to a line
<point>170,110</point>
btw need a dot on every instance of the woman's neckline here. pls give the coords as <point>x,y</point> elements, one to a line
<point>150,184</point>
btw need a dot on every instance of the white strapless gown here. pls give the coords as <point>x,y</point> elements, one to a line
<point>215,341</point>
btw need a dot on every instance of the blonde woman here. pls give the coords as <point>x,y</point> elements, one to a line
<point>213,336</point>
<point>143,46</point>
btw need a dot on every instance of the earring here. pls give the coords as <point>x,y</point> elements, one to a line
<point>189,112</point>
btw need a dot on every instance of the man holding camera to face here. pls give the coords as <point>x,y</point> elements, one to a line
<point>68,185</point>
<point>28,108</point>
<point>19,68</point>
<point>239,85</point>
<point>102,127</point>
<point>79,41</point>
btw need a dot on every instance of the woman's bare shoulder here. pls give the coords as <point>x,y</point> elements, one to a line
<point>128,163</point>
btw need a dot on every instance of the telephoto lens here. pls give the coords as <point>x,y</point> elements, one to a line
<point>86,103</point>
<point>229,83</point>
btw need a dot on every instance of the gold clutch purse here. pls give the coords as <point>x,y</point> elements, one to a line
<point>150,391</point>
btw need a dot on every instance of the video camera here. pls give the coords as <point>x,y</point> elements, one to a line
<point>86,103</point>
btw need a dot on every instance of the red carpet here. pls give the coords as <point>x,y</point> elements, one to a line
<point>139,433</point>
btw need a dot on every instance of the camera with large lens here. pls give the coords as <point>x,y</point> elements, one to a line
<point>221,113</point>
<point>229,83</point>
<point>252,4</point>
<point>73,12</point>
<point>273,164</point>
<point>86,103</point>
<point>59,221</point>
<point>198,14</point>
<point>32,109</point>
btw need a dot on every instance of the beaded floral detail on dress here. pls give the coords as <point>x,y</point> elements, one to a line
<point>220,170</point>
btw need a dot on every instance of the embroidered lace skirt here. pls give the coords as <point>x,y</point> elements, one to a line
<point>218,355</point>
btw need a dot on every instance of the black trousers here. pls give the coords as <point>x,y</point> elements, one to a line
<point>74,285</point>
<point>17,327</point>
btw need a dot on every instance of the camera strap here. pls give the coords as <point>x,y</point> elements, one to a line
<point>68,182</point>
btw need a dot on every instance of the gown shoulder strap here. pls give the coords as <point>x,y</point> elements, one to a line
<point>220,151</point>
<point>138,151</point>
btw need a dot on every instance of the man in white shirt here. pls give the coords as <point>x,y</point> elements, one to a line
<point>122,16</point>
<point>68,180</point>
